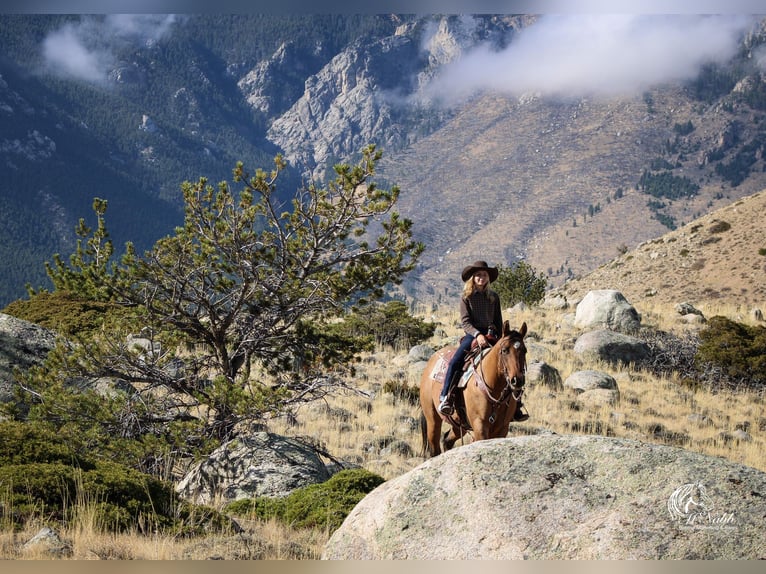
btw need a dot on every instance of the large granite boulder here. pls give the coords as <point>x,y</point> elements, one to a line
<point>607,309</point>
<point>554,497</point>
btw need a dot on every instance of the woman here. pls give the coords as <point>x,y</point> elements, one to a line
<point>481,319</point>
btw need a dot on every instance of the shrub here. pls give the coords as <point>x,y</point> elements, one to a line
<point>63,311</point>
<point>736,351</point>
<point>388,324</point>
<point>720,227</point>
<point>402,392</point>
<point>122,498</point>
<point>35,443</point>
<point>323,505</point>
<point>520,283</point>
<point>43,479</point>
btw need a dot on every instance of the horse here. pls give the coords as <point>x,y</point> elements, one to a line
<point>488,399</point>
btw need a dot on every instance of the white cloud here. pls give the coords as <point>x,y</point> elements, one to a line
<point>594,54</point>
<point>85,50</point>
<point>66,54</point>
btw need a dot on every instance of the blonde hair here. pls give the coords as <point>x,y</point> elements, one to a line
<point>468,287</point>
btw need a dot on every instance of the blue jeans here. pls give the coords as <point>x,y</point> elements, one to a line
<point>456,363</point>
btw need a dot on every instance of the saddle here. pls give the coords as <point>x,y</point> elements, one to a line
<point>472,360</point>
<point>475,351</point>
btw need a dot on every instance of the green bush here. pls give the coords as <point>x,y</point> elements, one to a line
<point>35,443</point>
<point>57,491</point>
<point>63,312</point>
<point>735,350</point>
<point>324,505</point>
<point>41,478</point>
<point>520,283</point>
<point>388,324</point>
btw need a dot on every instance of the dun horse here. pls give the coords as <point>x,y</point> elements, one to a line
<point>485,404</point>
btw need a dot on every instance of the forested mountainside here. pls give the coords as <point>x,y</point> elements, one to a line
<point>127,107</point>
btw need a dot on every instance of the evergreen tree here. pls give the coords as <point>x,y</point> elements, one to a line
<point>520,283</point>
<point>246,281</point>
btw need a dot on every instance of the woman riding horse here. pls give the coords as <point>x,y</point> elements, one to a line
<point>489,399</point>
<point>481,319</point>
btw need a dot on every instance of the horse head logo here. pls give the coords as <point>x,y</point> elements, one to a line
<point>689,499</point>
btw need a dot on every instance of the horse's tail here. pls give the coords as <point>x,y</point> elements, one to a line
<point>423,434</point>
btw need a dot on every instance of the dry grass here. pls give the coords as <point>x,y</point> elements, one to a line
<point>363,428</point>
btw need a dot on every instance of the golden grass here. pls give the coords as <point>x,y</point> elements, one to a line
<point>357,427</point>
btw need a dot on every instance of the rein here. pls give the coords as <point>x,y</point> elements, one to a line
<point>512,387</point>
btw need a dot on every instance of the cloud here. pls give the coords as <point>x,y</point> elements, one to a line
<point>86,50</point>
<point>593,55</point>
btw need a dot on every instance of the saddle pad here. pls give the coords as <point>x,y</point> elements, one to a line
<point>440,368</point>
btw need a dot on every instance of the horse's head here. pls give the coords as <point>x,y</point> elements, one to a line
<point>512,355</point>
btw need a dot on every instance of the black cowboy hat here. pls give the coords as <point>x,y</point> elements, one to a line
<point>479,266</point>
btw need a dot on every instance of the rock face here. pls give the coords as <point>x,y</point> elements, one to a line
<point>561,497</point>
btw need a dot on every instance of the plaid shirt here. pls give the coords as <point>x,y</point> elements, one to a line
<point>480,312</point>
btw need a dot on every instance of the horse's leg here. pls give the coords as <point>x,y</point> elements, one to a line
<point>430,422</point>
<point>430,439</point>
<point>450,438</point>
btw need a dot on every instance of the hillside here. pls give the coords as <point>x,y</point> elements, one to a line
<point>717,259</point>
<point>555,183</point>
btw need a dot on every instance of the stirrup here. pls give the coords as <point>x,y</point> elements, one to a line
<point>445,407</point>
<point>520,416</point>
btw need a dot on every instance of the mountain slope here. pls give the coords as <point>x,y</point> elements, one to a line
<point>717,258</point>
<point>565,183</point>
<point>554,183</point>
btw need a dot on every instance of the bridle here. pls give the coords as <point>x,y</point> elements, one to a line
<point>514,385</point>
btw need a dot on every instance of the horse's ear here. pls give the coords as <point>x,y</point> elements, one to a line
<point>523,329</point>
<point>506,328</point>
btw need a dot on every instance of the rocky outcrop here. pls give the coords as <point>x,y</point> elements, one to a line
<point>368,92</point>
<point>561,497</point>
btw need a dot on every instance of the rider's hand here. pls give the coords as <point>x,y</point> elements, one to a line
<point>481,340</point>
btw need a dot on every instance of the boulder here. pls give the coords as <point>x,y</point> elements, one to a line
<point>611,347</point>
<point>607,309</point>
<point>593,388</point>
<point>582,381</point>
<point>22,345</point>
<point>261,464</point>
<point>560,497</point>
<point>540,372</point>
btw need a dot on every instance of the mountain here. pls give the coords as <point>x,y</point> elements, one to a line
<point>492,164</point>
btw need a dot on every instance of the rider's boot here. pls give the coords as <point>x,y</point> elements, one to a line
<point>519,416</point>
<point>445,401</point>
